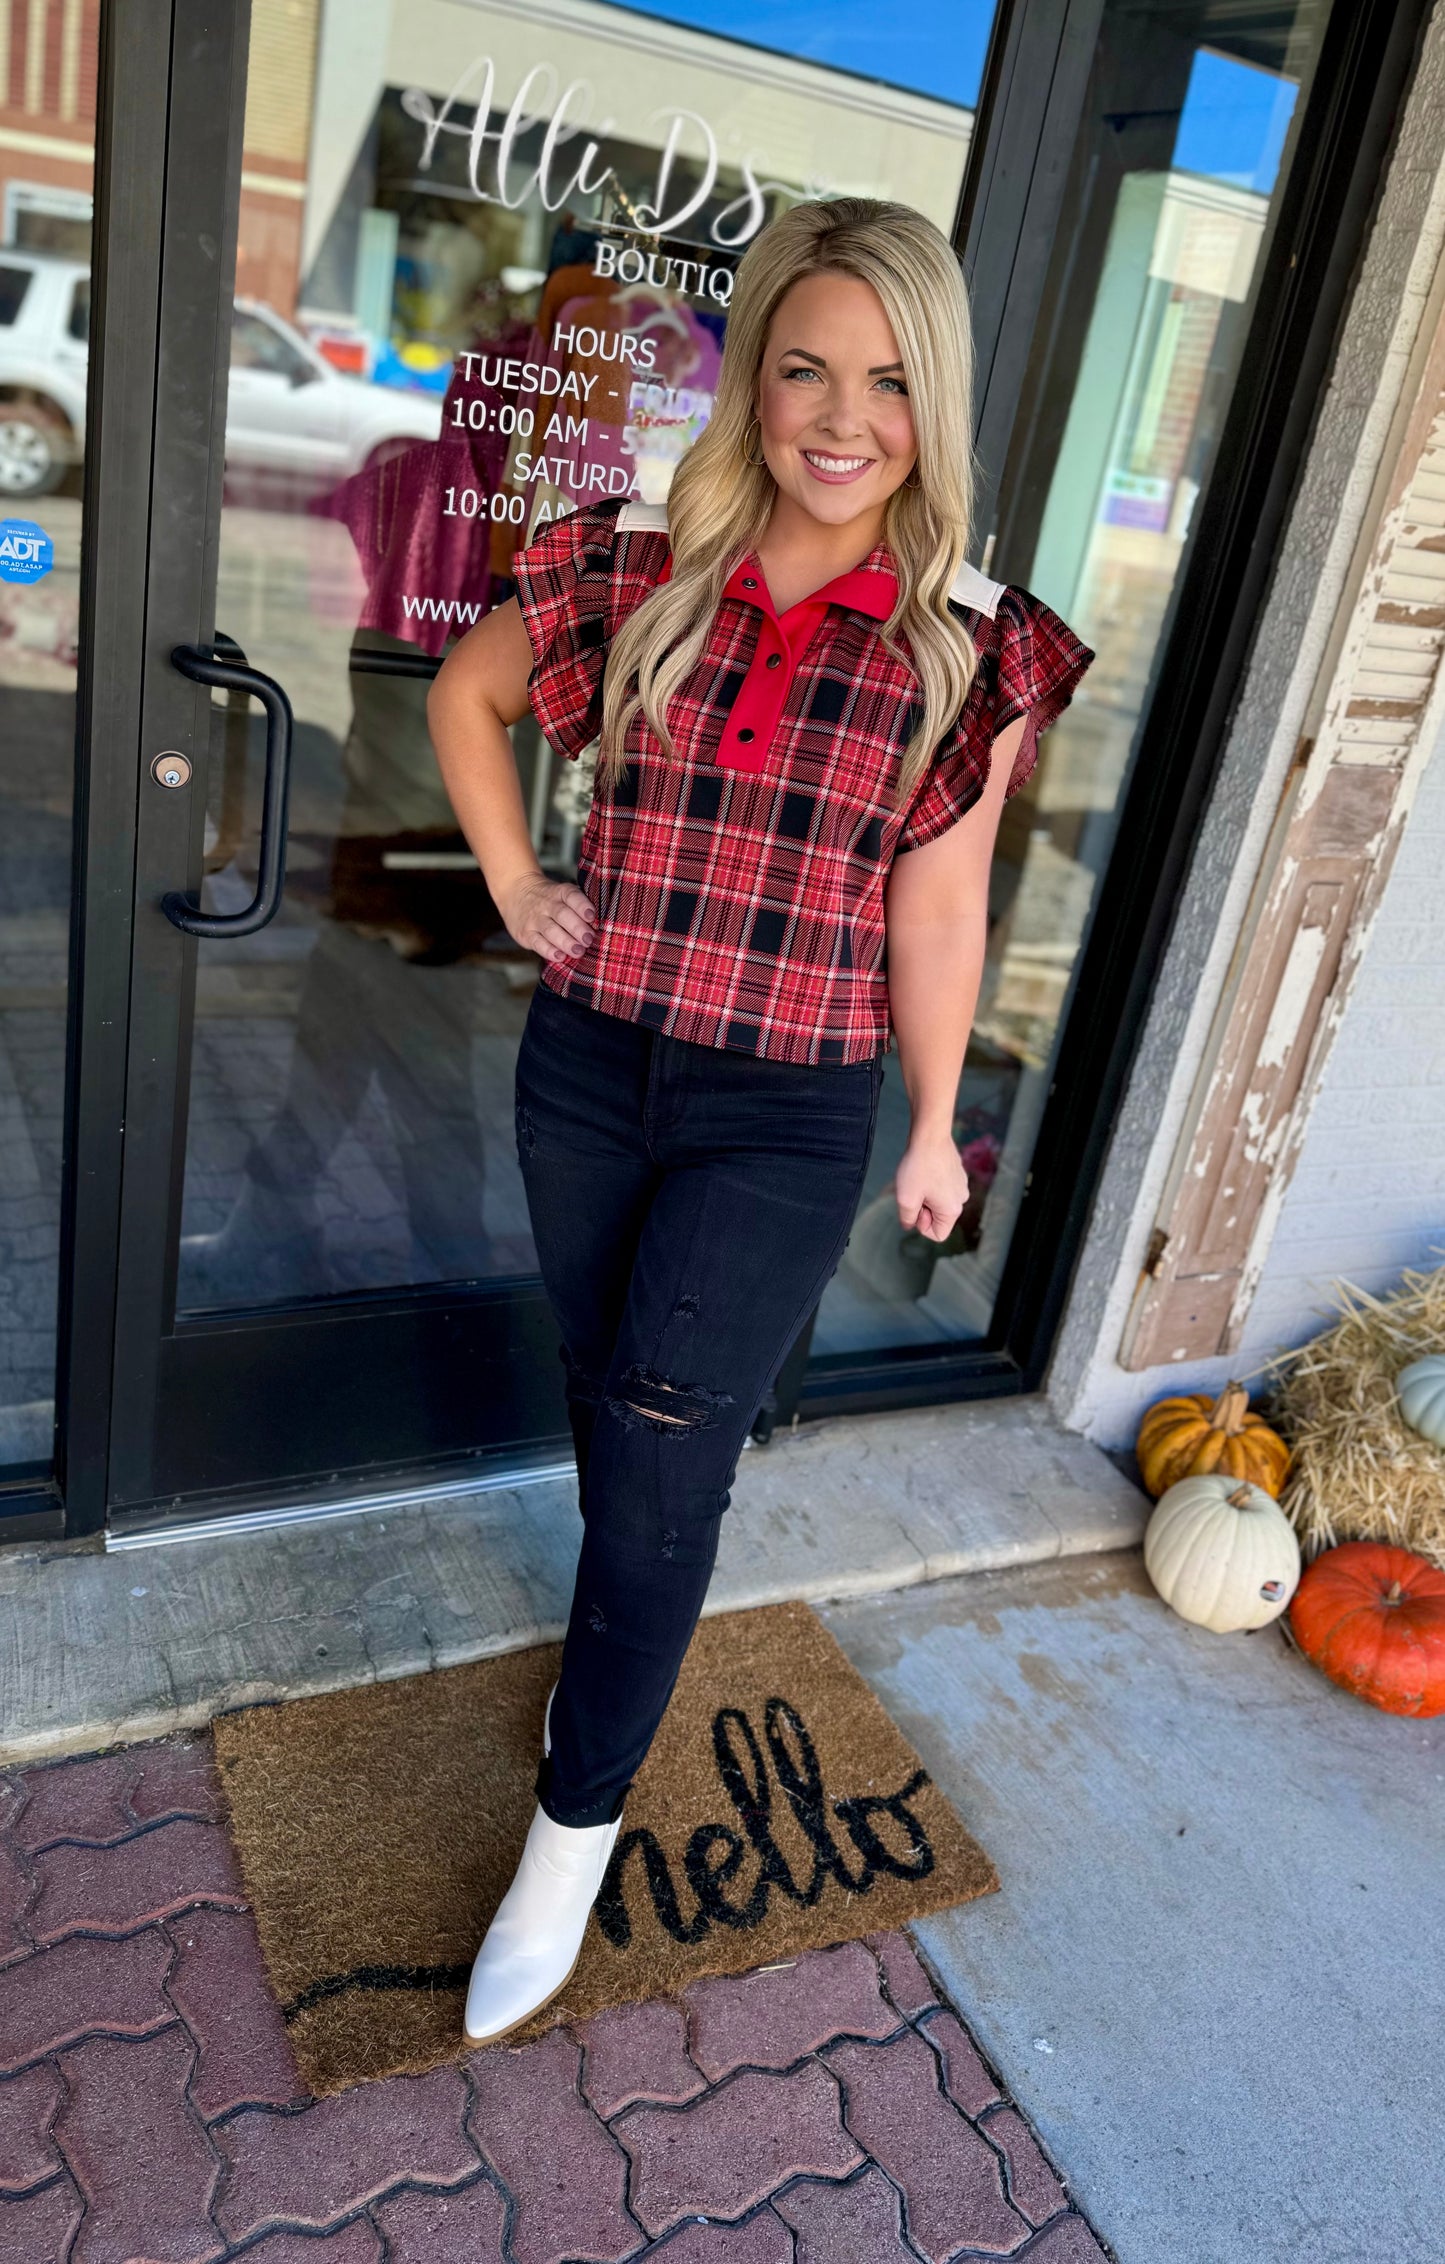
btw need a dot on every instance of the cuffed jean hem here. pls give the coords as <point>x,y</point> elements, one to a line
<point>569,1814</point>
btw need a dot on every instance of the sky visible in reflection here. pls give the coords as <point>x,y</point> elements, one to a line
<point>932,46</point>
<point>1232,127</point>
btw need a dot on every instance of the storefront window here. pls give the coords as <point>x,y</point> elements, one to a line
<point>1186,138</point>
<point>485,258</point>
<point>484,262</point>
<point>47,130</point>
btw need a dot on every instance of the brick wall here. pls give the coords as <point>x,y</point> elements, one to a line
<point>47,94</point>
<point>280,83</point>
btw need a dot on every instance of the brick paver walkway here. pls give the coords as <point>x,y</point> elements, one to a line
<point>831,2111</point>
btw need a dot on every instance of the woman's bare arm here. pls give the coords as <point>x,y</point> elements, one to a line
<point>481,689</point>
<point>936,911</point>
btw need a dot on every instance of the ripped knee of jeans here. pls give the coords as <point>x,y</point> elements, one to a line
<point>644,1400</point>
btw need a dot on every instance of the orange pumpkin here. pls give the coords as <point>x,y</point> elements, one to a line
<point>1193,1434</point>
<point>1372,1617</point>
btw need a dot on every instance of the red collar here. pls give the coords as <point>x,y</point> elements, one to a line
<point>870,587</point>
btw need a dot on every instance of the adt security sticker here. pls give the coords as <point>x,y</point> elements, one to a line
<point>26,551</point>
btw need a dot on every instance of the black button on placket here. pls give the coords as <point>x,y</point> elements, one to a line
<point>775,660</point>
<point>746,737</point>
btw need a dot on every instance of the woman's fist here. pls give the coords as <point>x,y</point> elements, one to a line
<point>931,1187</point>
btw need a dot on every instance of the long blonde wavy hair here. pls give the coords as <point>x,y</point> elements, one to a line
<point>720,501</point>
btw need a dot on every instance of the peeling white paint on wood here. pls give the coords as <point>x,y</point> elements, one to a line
<point>1301,970</point>
<point>1332,858</point>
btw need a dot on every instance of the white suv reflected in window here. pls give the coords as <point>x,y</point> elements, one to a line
<point>291,419</point>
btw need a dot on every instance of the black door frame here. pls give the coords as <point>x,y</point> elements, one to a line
<point>149,562</point>
<point>132,104</point>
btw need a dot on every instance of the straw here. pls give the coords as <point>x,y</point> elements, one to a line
<point>1359,1472</point>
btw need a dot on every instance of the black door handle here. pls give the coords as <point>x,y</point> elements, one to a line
<point>205,667</point>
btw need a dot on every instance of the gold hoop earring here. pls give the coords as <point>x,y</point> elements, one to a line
<point>759,461</point>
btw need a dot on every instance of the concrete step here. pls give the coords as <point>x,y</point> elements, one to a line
<point>102,1648</point>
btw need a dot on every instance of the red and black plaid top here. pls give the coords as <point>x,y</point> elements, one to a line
<point>739,885</point>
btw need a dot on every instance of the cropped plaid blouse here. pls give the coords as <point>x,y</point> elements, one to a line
<point>739,886</point>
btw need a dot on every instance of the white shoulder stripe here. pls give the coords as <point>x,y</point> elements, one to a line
<point>642,518</point>
<point>976,591</point>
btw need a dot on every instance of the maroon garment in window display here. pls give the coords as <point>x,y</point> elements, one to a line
<point>422,519</point>
<point>739,885</point>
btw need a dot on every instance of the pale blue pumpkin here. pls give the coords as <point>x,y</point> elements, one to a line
<point>1421,1389</point>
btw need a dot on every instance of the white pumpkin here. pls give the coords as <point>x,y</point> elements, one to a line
<point>1421,1389</point>
<point>1222,1553</point>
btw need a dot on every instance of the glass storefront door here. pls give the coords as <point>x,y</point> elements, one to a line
<point>483,274</point>
<point>483,258</point>
<point>503,290</point>
<point>426,274</point>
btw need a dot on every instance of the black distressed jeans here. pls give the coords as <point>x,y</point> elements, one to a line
<point>689,1205</point>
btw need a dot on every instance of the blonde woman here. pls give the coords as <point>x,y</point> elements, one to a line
<point>811,711</point>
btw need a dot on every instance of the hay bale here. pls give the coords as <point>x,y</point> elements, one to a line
<point>1359,1472</point>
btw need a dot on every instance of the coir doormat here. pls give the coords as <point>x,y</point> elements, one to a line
<point>779,1810</point>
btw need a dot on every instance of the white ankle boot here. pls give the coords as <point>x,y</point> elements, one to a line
<point>535,1939</point>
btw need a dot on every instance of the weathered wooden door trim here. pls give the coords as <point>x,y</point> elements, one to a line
<point>1342,815</point>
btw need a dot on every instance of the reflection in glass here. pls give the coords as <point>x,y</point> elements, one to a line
<point>47,129</point>
<point>452,324</point>
<point>1185,139</point>
<point>483,272</point>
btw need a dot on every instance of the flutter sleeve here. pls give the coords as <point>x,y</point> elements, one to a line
<point>1030,663</point>
<point>566,593</point>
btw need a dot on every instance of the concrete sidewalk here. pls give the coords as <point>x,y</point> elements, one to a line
<point>96,1648</point>
<point>1215,1976</point>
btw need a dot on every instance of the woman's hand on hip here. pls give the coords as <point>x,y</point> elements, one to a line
<point>550,917</point>
<point>931,1186</point>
